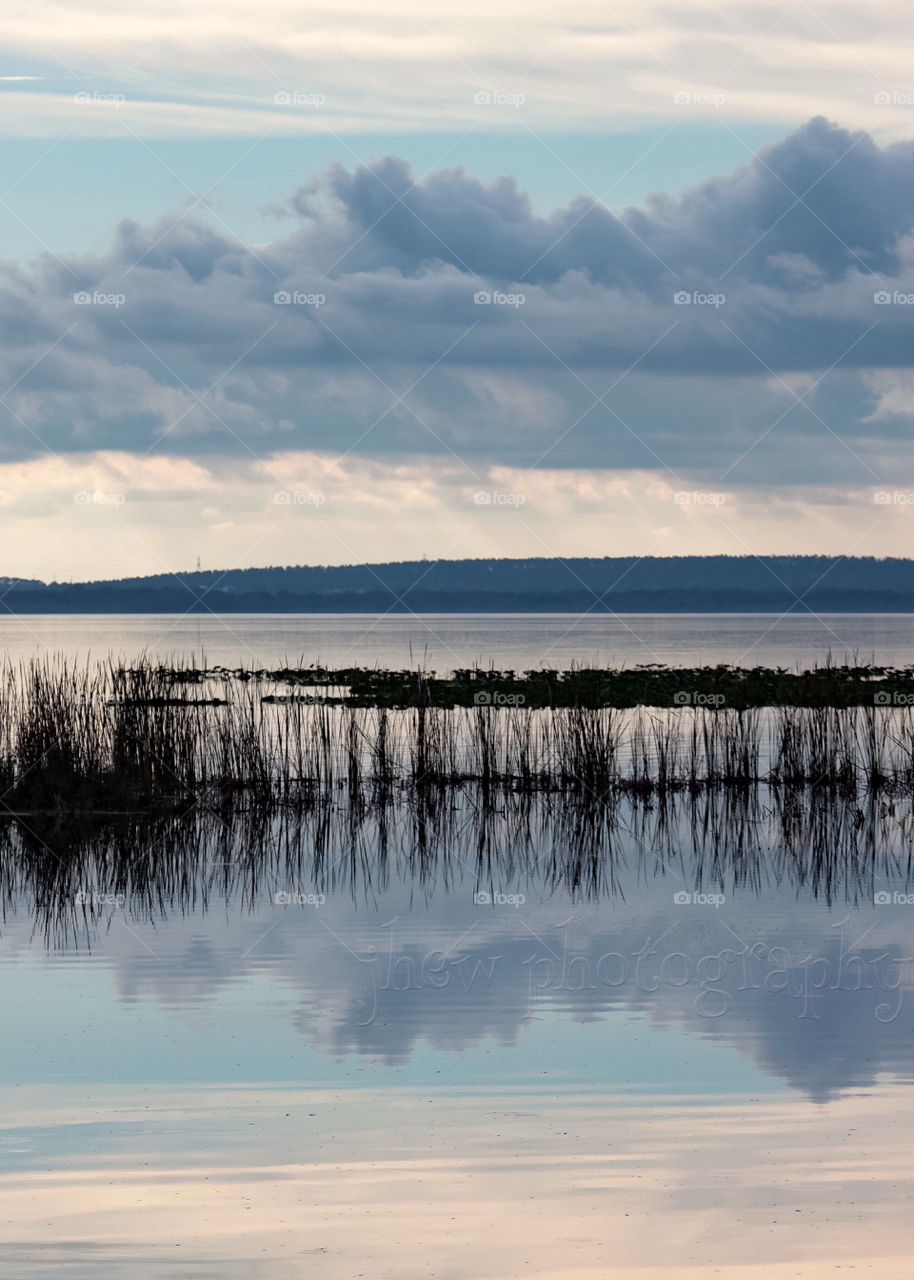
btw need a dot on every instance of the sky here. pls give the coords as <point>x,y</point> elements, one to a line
<point>346,283</point>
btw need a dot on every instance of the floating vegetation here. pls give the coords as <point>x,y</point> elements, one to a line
<point>650,685</point>
<point>155,739</point>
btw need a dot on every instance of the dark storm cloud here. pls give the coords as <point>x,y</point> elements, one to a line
<point>825,193</point>
<point>187,342</point>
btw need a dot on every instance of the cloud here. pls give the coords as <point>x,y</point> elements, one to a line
<point>413,342</point>
<point>118,515</point>
<point>813,1007</point>
<point>826,197</point>
<point>385,68</point>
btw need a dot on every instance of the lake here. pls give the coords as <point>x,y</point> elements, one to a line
<point>444,641</point>
<point>666,1041</point>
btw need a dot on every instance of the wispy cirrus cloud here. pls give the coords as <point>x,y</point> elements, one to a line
<point>399,67</point>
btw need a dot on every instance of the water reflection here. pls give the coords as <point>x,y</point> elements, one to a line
<point>561,1186</point>
<point>461,1039</point>
<point>819,845</point>
<point>779,927</point>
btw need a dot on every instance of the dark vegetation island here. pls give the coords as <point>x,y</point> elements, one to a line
<point>677,584</point>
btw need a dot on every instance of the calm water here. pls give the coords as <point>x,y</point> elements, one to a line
<point>474,1047</point>
<point>445,641</point>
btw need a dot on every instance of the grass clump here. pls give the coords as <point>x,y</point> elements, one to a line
<point>151,738</point>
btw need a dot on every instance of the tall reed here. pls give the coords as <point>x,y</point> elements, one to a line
<point>108,738</point>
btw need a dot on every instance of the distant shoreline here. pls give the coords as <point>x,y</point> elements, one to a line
<point>681,585</point>
<point>218,607</point>
<point>467,613</point>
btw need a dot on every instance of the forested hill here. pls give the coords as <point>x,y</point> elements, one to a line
<point>683,584</point>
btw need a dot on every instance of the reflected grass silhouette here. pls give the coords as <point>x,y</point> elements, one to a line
<point>73,877</point>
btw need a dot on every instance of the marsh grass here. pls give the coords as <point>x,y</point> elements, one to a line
<point>148,739</point>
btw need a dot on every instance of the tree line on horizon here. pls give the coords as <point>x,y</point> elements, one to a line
<point>622,584</point>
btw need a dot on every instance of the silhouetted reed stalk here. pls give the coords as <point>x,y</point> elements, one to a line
<point>104,738</point>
